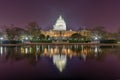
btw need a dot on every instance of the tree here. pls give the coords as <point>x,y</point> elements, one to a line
<point>75,35</point>
<point>1,34</point>
<point>118,30</point>
<point>34,30</point>
<point>99,31</point>
<point>41,36</point>
<point>12,32</point>
<point>118,34</point>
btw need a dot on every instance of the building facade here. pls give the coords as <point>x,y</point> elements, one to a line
<point>60,30</point>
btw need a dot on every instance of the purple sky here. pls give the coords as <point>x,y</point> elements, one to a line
<point>76,13</point>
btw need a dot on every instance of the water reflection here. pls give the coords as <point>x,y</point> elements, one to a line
<point>59,54</point>
<point>1,50</point>
<point>60,61</point>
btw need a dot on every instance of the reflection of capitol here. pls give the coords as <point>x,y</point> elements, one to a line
<point>60,61</point>
<point>59,54</point>
<point>71,50</point>
<point>49,50</point>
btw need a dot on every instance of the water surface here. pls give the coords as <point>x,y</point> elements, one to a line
<point>52,61</point>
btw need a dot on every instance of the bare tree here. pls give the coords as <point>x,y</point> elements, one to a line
<point>99,31</point>
<point>12,32</point>
<point>33,30</point>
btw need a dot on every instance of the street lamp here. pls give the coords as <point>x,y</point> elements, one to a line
<point>26,38</point>
<point>1,38</point>
<point>96,38</point>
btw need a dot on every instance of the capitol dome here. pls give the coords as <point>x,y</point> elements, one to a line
<point>60,24</point>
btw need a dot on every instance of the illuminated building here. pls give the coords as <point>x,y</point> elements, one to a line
<point>60,24</point>
<point>60,29</point>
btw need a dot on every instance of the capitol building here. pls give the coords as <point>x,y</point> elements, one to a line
<point>60,30</point>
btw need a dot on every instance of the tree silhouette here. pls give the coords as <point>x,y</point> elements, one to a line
<point>76,35</point>
<point>34,30</point>
<point>12,32</point>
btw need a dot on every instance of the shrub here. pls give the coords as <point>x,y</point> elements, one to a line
<point>108,41</point>
<point>11,42</point>
<point>41,41</point>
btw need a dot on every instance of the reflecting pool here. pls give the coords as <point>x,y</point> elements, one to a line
<point>64,61</point>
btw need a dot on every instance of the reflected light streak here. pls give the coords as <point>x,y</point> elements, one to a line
<point>96,49</point>
<point>1,50</point>
<point>26,50</point>
<point>51,51</point>
<point>45,51</point>
<point>84,56</point>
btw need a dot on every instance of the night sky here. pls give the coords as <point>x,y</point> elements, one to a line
<point>76,13</point>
